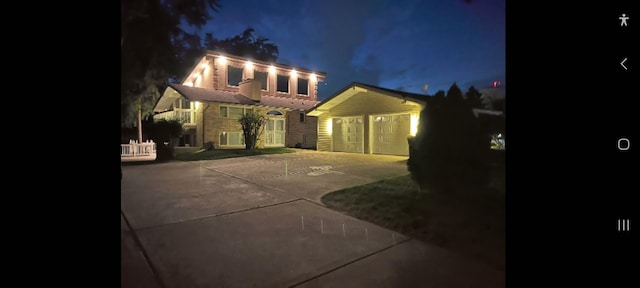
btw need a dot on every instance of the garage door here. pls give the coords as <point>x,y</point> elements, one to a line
<point>348,134</point>
<point>389,134</point>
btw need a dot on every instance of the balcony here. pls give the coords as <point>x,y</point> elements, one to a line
<point>186,116</point>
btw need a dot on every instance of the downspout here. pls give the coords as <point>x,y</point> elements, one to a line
<point>203,114</point>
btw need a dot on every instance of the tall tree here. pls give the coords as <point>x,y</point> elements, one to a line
<point>449,145</point>
<point>151,41</point>
<point>474,98</point>
<point>245,44</point>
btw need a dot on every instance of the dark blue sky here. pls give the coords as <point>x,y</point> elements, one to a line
<point>396,44</point>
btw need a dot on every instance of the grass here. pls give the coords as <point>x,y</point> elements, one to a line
<point>229,153</point>
<point>470,223</point>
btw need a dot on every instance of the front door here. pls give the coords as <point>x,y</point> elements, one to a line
<point>275,133</point>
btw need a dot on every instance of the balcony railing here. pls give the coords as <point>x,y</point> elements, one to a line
<point>186,116</point>
<point>134,151</point>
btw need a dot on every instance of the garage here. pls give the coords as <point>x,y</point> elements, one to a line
<point>389,134</point>
<point>368,119</point>
<point>348,134</point>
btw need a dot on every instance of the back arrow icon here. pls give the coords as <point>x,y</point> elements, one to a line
<point>622,63</point>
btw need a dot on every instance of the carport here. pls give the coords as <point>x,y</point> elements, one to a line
<point>367,119</point>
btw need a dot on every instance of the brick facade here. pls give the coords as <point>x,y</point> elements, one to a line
<point>301,134</point>
<point>212,73</point>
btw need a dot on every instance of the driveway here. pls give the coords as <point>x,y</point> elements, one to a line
<point>259,222</point>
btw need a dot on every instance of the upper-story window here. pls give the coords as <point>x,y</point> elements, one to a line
<point>283,84</point>
<point>234,76</point>
<point>182,103</point>
<point>303,86</point>
<point>262,77</point>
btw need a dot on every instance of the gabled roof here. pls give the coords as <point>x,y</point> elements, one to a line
<point>355,88</point>
<point>174,91</point>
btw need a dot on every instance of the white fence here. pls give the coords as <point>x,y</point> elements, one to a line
<point>135,151</point>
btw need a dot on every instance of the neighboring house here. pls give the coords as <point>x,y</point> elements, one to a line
<point>367,119</point>
<point>221,88</point>
<point>493,98</point>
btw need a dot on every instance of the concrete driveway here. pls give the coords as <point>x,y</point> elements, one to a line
<point>258,222</point>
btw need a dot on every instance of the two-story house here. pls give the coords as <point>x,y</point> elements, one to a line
<point>221,88</point>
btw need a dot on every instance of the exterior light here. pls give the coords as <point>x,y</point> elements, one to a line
<point>294,73</point>
<point>222,60</point>
<point>313,77</point>
<point>249,65</point>
<point>413,126</point>
<point>272,69</point>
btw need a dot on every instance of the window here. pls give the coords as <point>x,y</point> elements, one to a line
<point>186,104</point>
<point>233,112</point>
<point>303,86</point>
<point>302,116</point>
<point>231,139</point>
<point>262,77</point>
<point>236,112</point>
<point>234,76</point>
<point>182,103</point>
<point>283,84</point>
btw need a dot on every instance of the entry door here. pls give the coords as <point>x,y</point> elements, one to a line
<point>390,134</point>
<point>275,133</point>
<point>348,134</point>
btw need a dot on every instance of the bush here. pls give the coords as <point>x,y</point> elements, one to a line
<point>164,152</point>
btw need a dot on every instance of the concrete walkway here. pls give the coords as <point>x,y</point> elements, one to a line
<point>258,222</point>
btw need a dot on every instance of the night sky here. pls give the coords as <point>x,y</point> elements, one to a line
<point>396,44</point>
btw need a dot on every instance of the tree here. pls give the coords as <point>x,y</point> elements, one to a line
<point>245,44</point>
<point>450,144</point>
<point>150,38</point>
<point>165,130</point>
<point>252,126</point>
<point>474,98</point>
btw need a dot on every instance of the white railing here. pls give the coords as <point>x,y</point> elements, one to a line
<point>135,151</point>
<point>186,116</point>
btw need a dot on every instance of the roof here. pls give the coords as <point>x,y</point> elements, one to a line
<point>174,91</point>
<point>357,87</point>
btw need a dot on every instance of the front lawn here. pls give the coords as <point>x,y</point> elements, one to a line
<point>229,153</point>
<point>470,223</point>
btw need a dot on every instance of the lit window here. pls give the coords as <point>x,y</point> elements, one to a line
<point>231,139</point>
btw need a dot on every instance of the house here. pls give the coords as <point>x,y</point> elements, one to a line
<point>221,88</point>
<point>493,97</point>
<point>367,119</point>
